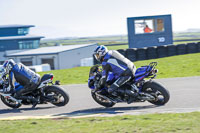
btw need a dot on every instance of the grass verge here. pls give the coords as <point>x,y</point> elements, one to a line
<point>169,67</point>
<point>151,123</point>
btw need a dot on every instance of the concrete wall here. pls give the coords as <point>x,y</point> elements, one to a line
<point>37,59</point>
<point>72,58</point>
<point>63,60</point>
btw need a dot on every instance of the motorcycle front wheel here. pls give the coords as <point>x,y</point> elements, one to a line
<point>102,101</point>
<point>10,103</point>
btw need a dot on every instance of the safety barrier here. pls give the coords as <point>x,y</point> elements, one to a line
<point>131,54</point>
<point>171,50</point>
<point>136,54</point>
<point>152,53</point>
<point>162,51</point>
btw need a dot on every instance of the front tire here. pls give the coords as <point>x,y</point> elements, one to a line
<point>102,101</point>
<point>155,89</point>
<point>10,103</point>
<point>57,93</point>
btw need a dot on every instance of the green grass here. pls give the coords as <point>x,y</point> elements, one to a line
<point>117,47</point>
<point>76,75</point>
<point>169,67</point>
<point>151,123</point>
<point>176,66</point>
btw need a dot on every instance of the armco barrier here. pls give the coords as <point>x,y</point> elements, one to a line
<point>131,54</point>
<point>135,54</point>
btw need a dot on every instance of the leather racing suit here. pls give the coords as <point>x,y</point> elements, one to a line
<point>24,76</point>
<point>122,68</point>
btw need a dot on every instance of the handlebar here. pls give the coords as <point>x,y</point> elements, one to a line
<point>94,70</point>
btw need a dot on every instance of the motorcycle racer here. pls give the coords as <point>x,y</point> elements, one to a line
<point>18,72</point>
<point>122,68</point>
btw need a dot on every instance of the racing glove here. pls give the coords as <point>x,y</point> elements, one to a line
<point>6,90</point>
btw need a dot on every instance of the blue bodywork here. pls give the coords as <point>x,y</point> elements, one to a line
<point>140,74</point>
<point>18,86</point>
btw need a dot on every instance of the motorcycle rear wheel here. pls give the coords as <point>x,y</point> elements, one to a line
<point>56,92</point>
<point>102,101</point>
<point>155,89</point>
<point>10,103</point>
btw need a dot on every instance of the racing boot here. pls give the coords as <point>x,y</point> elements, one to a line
<point>19,95</point>
<point>113,90</point>
<point>119,82</point>
<point>132,95</point>
<point>34,101</point>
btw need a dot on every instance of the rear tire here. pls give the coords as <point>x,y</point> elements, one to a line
<point>57,91</point>
<point>10,103</point>
<point>101,102</point>
<point>156,90</point>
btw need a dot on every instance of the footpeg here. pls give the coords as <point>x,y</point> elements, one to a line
<point>134,88</point>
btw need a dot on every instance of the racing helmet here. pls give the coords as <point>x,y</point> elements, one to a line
<point>100,52</point>
<point>7,65</point>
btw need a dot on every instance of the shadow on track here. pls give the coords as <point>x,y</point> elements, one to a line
<point>114,110</point>
<point>21,110</point>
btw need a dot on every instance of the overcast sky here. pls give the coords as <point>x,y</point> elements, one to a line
<point>80,18</point>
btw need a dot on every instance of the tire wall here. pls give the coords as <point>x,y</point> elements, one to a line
<point>135,54</point>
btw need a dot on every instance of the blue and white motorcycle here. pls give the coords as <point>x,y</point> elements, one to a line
<point>47,91</point>
<point>142,90</point>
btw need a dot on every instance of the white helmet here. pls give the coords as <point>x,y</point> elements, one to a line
<point>100,52</point>
<point>7,65</point>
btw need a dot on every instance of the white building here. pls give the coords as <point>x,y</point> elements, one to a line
<point>59,57</point>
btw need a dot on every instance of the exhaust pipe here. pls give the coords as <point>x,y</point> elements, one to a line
<point>106,98</point>
<point>8,96</point>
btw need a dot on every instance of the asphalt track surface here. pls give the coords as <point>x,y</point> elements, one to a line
<point>184,92</point>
